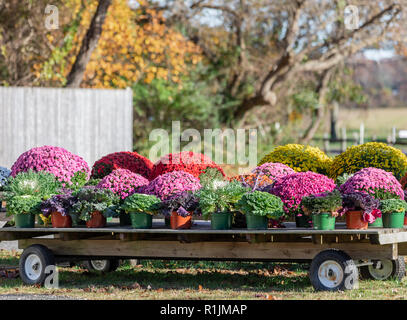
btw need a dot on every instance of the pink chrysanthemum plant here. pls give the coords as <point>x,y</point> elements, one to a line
<point>273,170</point>
<point>171,183</point>
<point>123,182</point>
<point>376,182</point>
<point>55,160</point>
<point>292,188</point>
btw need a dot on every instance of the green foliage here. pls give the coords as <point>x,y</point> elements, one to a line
<point>23,204</point>
<point>221,198</point>
<point>210,176</point>
<point>343,178</point>
<point>141,203</point>
<point>40,184</point>
<point>392,205</point>
<point>158,103</point>
<point>90,199</point>
<point>261,204</point>
<point>92,182</point>
<point>305,99</point>
<point>78,180</point>
<point>327,202</point>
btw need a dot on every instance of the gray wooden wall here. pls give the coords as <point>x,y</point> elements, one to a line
<point>88,122</point>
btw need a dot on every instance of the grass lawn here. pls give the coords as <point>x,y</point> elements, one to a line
<point>196,280</point>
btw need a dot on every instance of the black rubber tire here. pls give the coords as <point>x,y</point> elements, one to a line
<point>110,266</point>
<point>46,257</point>
<point>398,272</point>
<point>347,265</point>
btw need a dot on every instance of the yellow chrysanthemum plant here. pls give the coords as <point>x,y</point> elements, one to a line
<point>300,158</point>
<point>371,154</point>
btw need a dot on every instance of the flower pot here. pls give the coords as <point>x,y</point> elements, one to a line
<point>60,221</point>
<point>141,220</point>
<point>24,220</point>
<point>256,222</point>
<point>323,221</point>
<point>167,221</point>
<point>98,220</point>
<point>378,223</point>
<point>179,222</point>
<point>354,220</point>
<point>76,222</point>
<point>124,219</point>
<point>303,221</point>
<point>393,219</point>
<point>238,220</point>
<point>221,220</point>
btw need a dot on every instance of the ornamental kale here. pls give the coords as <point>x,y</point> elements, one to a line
<point>90,199</point>
<point>393,205</point>
<point>361,201</point>
<point>61,203</point>
<point>220,199</point>
<point>183,202</point>
<point>326,202</point>
<point>209,176</point>
<point>261,204</point>
<point>39,184</point>
<point>23,204</point>
<point>141,203</point>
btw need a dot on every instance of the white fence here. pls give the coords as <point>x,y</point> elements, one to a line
<point>88,122</point>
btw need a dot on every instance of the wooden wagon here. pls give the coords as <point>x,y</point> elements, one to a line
<point>337,256</point>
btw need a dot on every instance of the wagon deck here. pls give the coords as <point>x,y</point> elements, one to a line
<point>202,243</point>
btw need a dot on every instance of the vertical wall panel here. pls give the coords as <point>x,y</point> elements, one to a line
<point>87,122</point>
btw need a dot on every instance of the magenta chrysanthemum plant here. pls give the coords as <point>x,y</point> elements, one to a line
<point>292,188</point>
<point>55,160</point>
<point>171,183</point>
<point>273,170</point>
<point>123,182</point>
<point>378,183</point>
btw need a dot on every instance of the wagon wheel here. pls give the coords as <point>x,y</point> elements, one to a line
<point>333,270</point>
<point>384,269</point>
<point>33,264</point>
<point>102,265</point>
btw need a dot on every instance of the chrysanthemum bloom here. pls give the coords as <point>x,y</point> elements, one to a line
<point>55,160</point>
<point>188,161</point>
<point>123,182</point>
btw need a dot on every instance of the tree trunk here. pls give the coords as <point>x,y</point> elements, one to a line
<point>89,43</point>
<point>320,112</point>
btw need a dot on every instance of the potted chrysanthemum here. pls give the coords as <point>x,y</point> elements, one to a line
<point>360,209</point>
<point>179,208</point>
<point>59,207</point>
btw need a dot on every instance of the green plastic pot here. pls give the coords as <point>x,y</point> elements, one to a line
<point>124,219</point>
<point>323,221</point>
<point>303,221</point>
<point>76,222</point>
<point>256,222</point>
<point>378,223</point>
<point>24,220</point>
<point>221,220</point>
<point>393,219</point>
<point>141,220</point>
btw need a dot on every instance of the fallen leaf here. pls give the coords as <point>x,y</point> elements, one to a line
<point>200,288</point>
